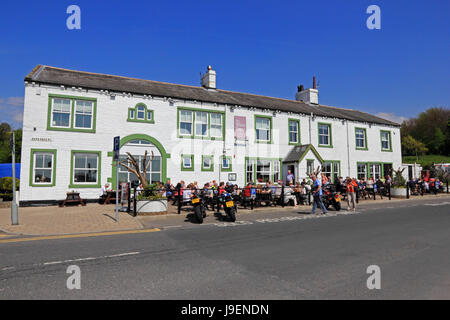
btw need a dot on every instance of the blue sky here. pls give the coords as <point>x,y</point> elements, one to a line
<point>261,47</point>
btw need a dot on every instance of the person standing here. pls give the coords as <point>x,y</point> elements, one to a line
<point>317,195</point>
<point>351,195</point>
<point>290,177</point>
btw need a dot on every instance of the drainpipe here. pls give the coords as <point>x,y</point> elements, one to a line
<point>348,152</point>
<point>310,128</point>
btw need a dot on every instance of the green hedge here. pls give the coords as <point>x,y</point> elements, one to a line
<point>6,184</point>
<point>6,196</point>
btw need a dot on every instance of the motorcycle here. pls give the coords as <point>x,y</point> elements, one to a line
<point>199,208</point>
<point>226,200</point>
<point>333,198</point>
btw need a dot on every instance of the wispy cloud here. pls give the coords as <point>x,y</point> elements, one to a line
<point>391,116</point>
<point>11,111</point>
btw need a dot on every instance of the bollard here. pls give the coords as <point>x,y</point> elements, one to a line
<point>134,202</point>
<point>374,194</point>
<point>447,185</point>
<point>129,198</point>
<point>282,195</point>
<point>309,198</point>
<point>389,191</point>
<point>357,195</point>
<point>407,190</point>
<point>179,200</point>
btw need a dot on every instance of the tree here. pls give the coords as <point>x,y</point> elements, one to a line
<point>411,146</point>
<point>141,174</point>
<point>5,149</point>
<point>430,127</point>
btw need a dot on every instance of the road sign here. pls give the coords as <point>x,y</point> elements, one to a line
<point>116,148</point>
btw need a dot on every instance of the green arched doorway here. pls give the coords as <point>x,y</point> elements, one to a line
<point>150,140</point>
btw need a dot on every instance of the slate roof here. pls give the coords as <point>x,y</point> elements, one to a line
<point>72,78</point>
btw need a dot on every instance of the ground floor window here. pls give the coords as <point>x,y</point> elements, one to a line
<point>262,170</point>
<point>187,162</point>
<point>331,169</point>
<point>85,168</point>
<point>207,163</point>
<point>153,172</point>
<point>225,164</point>
<point>43,167</point>
<point>362,170</point>
<point>309,166</point>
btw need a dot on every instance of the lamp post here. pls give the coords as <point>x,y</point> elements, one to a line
<point>14,210</point>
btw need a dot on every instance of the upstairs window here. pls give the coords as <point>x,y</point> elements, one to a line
<point>61,113</point>
<point>360,137</point>
<point>294,131</point>
<point>200,124</point>
<point>140,113</point>
<point>263,126</point>
<point>386,141</point>
<point>186,122</point>
<point>68,113</point>
<point>324,134</point>
<point>83,114</point>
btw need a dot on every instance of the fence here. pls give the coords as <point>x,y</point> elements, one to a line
<point>273,195</point>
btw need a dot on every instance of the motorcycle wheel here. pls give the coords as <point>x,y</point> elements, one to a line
<point>337,206</point>
<point>204,212</point>
<point>198,214</point>
<point>232,214</point>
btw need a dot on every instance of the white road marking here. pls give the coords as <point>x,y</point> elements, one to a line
<point>436,204</point>
<point>7,268</point>
<point>91,258</point>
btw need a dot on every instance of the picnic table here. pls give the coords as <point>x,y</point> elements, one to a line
<point>111,196</point>
<point>72,197</point>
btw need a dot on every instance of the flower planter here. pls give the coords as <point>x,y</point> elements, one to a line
<point>398,192</point>
<point>151,207</point>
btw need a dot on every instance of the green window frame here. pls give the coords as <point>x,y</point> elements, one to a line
<point>133,114</point>
<point>369,169</point>
<point>230,165</point>
<point>330,135</point>
<point>72,115</point>
<point>211,124</point>
<point>291,142</point>
<point>32,181</point>
<point>98,183</point>
<point>382,132</point>
<point>183,167</point>
<point>251,169</point>
<point>334,172</point>
<point>270,140</point>
<point>365,147</point>
<point>211,163</point>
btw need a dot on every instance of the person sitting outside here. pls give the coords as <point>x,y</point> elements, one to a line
<point>289,195</point>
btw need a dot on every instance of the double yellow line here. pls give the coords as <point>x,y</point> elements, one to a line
<point>81,235</point>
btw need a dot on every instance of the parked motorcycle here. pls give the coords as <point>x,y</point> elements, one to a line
<point>226,200</point>
<point>199,208</point>
<point>331,198</point>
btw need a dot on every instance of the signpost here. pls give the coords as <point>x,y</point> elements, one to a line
<point>14,214</point>
<point>116,158</point>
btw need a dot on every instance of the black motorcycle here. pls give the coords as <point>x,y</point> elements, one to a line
<point>199,208</point>
<point>331,198</point>
<point>226,200</point>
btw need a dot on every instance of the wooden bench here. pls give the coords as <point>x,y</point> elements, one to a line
<point>72,197</point>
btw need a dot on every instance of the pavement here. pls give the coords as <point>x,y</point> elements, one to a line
<point>290,255</point>
<point>96,218</point>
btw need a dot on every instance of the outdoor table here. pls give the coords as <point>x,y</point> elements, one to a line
<point>110,196</point>
<point>73,197</point>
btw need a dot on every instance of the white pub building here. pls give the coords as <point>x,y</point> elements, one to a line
<point>195,133</point>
